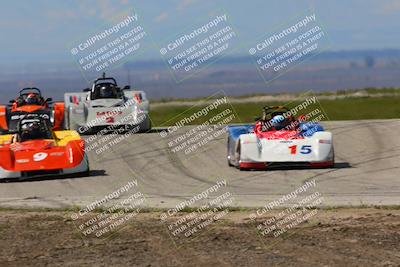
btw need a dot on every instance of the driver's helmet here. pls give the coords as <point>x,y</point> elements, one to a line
<point>107,91</point>
<point>31,130</point>
<point>279,122</point>
<point>32,99</point>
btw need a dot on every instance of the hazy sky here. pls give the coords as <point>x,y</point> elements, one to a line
<point>42,30</point>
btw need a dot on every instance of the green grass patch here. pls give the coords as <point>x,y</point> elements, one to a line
<point>340,109</point>
<point>362,108</point>
<point>371,91</point>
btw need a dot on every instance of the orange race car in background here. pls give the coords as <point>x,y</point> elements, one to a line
<point>30,101</point>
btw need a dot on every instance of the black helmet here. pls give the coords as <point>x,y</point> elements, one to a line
<point>30,130</point>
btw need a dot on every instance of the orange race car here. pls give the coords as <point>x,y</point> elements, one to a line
<point>36,150</point>
<point>30,101</point>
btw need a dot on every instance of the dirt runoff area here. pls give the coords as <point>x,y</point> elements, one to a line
<point>335,237</point>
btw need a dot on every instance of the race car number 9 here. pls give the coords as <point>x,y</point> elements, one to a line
<point>39,156</point>
<point>303,150</point>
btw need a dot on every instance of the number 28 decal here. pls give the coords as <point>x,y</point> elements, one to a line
<point>303,150</point>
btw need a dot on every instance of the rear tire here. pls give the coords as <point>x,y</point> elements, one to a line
<point>228,156</point>
<point>230,164</point>
<point>237,156</point>
<point>87,171</point>
<point>144,126</point>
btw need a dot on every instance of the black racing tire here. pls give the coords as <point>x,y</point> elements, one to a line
<point>87,171</point>
<point>227,152</point>
<point>230,164</point>
<point>144,126</point>
<point>237,156</point>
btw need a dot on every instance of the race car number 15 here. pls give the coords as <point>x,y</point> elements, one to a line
<point>303,150</point>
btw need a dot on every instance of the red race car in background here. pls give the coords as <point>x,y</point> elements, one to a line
<point>30,101</point>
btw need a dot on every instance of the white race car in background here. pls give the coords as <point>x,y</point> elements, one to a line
<point>106,105</point>
<point>276,141</point>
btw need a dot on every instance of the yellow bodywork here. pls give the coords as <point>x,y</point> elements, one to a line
<point>61,138</point>
<point>6,139</point>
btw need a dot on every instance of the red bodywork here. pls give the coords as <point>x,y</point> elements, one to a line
<point>3,118</point>
<point>278,135</point>
<point>59,111</point>
<point>274,134</point>
<point>28,108</point>
<point>58,108</point>
<point>41,155</point>
<point>264,166</point>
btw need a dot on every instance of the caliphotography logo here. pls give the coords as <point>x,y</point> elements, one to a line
<point>110,45</point>
<point>289,46</point>
<point>106,216</point>
<point>193,50</point>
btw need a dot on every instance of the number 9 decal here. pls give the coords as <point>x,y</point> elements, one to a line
<point>39,156</point>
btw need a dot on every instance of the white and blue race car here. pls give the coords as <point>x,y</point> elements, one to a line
<point>279,140</point>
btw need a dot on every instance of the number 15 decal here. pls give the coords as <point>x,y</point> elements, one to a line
<point>303,150</point>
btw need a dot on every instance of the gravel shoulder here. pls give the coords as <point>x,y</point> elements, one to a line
<point>335,237</point>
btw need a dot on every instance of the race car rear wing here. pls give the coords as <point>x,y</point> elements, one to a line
<point>74,99</point>
<point>140,98</point>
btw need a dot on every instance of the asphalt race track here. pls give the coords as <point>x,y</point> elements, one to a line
<point>367,172</point>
